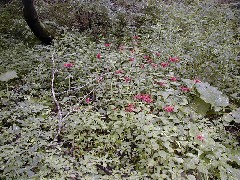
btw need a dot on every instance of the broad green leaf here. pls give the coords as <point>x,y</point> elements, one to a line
<point>200,106</point>
<point>212,95</point>
<point>8,75</point>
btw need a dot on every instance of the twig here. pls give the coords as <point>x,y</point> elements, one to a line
<point>90,82</point>
<point>60,113</point>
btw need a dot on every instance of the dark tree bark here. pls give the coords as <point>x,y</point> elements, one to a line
<point>31,17</point>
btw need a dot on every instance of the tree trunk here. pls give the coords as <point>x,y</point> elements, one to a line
<point>31,17</point>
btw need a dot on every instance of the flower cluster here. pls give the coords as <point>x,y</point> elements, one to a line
<point>158,54</point>
<point>164,64</point>
<point>173,78</point>
<point>98,56</point>
<point>88,100</point>
<point>144,97</point>
<point>161,83</point>
<point>127,79</point>
<point>130,108</point>
<point>119,71</point>
<point>131,59</point>
<point>107,45</point>
<point>169,108</point>
<point>197,81</point>
<point>174,59</point>
<point>68,65</point>
<point>200,137</point>
<point>185,89</point>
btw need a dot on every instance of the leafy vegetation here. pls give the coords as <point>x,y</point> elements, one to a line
<point>158,102</point>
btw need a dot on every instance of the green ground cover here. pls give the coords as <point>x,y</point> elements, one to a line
<point>154,101</point>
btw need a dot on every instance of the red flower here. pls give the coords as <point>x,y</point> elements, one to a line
<point>144,97</point>
<point>163,64</point>
<point>99,79</point>
<point>185,89</point>
<point>197,81</point>
<point>142,66</point>
<point>107,44</point>
<point>131,59</point>
<point>200,137</point>
<point>158,54</point>
<point>139,96</point>
<point>130,108</point>
<point>146,57</point>
<point>161,83</point>
<point>127,79</point>
<point>169,108</point>
<point>121,48</point>
<point>132,51</point>
<point>173,59</point>
<point>119,71</point>
<point>149,61</point>
<point>173,78</point>
<point>98,55</point>
<point>68,65</point>
<point>136,37</point>
<point>147,98</point>
<point>154,65</point>
<point>88,100</point>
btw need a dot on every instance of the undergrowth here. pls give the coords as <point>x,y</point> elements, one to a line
<point>147,107</point>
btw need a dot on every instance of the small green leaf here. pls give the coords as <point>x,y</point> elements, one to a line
<point>178,160</point>
<point>191,177</point>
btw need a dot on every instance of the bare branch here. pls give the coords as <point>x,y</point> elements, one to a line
<point>60,113</point>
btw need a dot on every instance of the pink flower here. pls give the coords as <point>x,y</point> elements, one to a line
<point>200,137</point>
<point>132,51</point>
<point>142,66</point>
<point>139,96</point>
<point>98,55</point>
<point>147,98</point>
<point>158,54</point>
<point>197,81</point>
<point>130,108</point>
<point>149,61</point>
<point>173,78</point>
<point>121,48</point>
<point>136,37</point>
<point>154,65</point>
<point>146,57</point>
<point>185,89</point>
<point>163,64</point>
<point>68,65</point>
<point>131,59</point>
<point>88,100</point>
<point>99,79</point>
<point>161,83</point>
<point>173,59</point>
<point>144,97</point>
<point>107,44</point>
<point>169,108</point>
<point>127,79</point>
<point>119,71</point>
